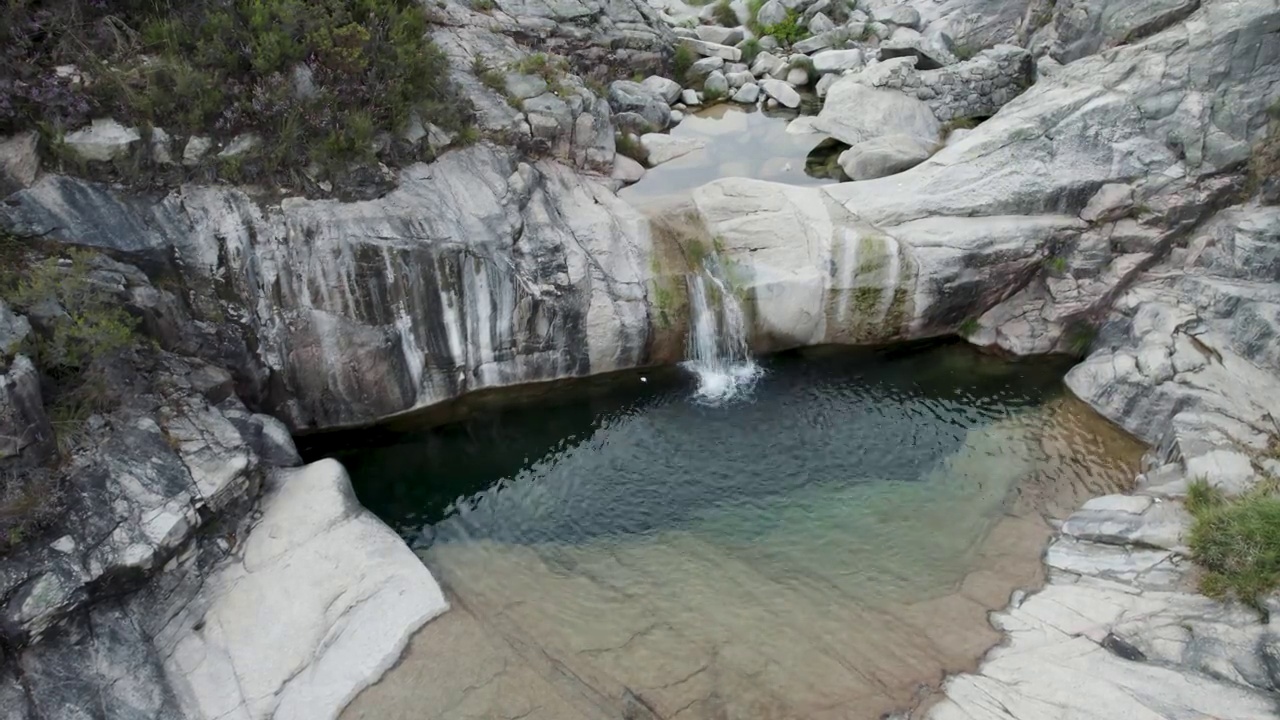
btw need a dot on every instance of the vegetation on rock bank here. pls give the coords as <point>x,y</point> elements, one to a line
<point>321,82</point>
<point>1236,541</point>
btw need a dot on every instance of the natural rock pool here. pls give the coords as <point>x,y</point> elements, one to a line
<point>826,546</point>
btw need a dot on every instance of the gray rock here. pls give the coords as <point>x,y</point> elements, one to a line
<point>14,331</point>
<point>708,49</point>
<point>767,63</point>
<point>195,150</point>
<point>19,161</point>
<point>719,35</point>
<point>771,13</point>
<point>797,77</point>
<point>661,148</point>
<point>884,155</point>
<point>103,141</point>
<point>837,61</point>
<point>668,90</point>
<point>161,145</point>
<point>782,92</point>
<point>690,97</point>
<point>823,86</point>
<point>304,82</point>
<point>626,170</point>
<point>1085,27</point>
<point>523,87</point>
<point>901,15</point>
<point>1111,202</point>
<point>739,79</point>
<point>716,85</point>
<point>854,113</point>
<point>627,96</point>
<point>769,42</point>
<point>24,426</point>
<point>820,23</point>
<point>240,145</point>
<point>821,41</point>
<point>907,42</point>
<point>704,67</point>
<point>677,116</point>
<point>748,94</point>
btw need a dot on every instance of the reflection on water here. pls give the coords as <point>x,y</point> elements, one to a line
<point>820,550</point>
<point>740,142</point>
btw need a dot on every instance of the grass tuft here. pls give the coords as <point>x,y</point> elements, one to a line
<point>1236,541</point>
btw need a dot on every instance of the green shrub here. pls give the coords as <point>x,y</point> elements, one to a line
<point>681,61</point>
<point>490,77</point>
<point>29,500</point>
<point>750,49</point>
<point>789,31</point>
<point>724,15</point>
<point>1056,264</point>
<point>629,145</point>
<point>753,14</point>
<point>1236,541</point>
<point>483,6</point>
<point>226,67</point>
<point>1079,336</point>
<point>969,327</point>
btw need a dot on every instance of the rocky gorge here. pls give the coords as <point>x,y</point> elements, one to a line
<point>1113,199</point>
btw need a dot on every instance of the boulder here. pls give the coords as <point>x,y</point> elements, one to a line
<point>690,97</point>
<point>24,426</point>
<point>823,86</point>
<point>195,150</point>
<point>782,92</point>
<point>739,79</point>
<point>251,645</point>
<point>626,170</point>
<point>837,61</point>
<point>854,113</point>
<point>716,85</point>
<point>748,94</point>
<point>668,90</point>
<point>661,148</point>
<point>19,161</point>
<point>819,24</point>
<point>708,49</point>
<point>161,147</point>
<point>719,35</point>
<point>771,13</point>
<point>900,15</point>
<point>821,41</point>
<point>798,77</point>
<point>702,68</point>
<point>103,141</point>
<point>522,86</point>
<point>240,145</point>
<point>627,96</point>
<point>907,42</point>
<point>767,63</point>
<point>884,155</point>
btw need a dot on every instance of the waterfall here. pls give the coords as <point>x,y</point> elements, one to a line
<point>718,353</point>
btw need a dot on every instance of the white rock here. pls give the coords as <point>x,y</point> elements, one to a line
<point>854,113</point>
<point>716,85</point>
<point>719,35</point>
<point>316,606</point>
<point>667,88</point>
<point>771,13</point>
<point>802,125</point>
<point>835,61</point>
<point>240,145</point>
<point>798,77</point>
<point>195,150</point>
<point>782,92</point>
<point>19,161</point>
<point>823,86</point>
<point>747,94</point>
<point>626,170</point>
<point>884,155</point>
<point>677,117</point>
<point>707,49</point>
<point>703,68</point>
<point>738,79</point>
<point>160,147</point>
<point>767,64</point>
<point>820,24</point>
<point>902,15</point>
<point>1111,202</point>
<point>663,148</point>
<point>104,140</point>
<point>690,97</point>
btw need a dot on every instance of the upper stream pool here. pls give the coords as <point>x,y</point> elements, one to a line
<point>827,546</point>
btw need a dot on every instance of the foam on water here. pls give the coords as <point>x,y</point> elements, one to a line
<point>718,352</point>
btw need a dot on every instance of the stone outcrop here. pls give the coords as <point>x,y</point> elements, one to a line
<point>975,88</point>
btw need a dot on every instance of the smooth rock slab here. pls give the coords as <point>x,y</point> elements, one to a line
<point>318,605</point>
<point>664,148</point>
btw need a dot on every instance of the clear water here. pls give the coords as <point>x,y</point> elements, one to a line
<point>824,546</point>
<point>740,142</point>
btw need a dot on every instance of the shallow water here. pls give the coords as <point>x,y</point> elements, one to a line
<point>740,142</point>
<point>826,547</point>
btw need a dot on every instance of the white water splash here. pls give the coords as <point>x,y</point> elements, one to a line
<point>718,352</point>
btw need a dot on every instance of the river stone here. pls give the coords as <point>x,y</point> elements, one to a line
<point>668,89</point>
<point>251,645</point>
<point>854,113</point>
<point>771,13</point>
<point>103,141</point>
<point>661,148</point>
<point>715,85</point>
<point>748,94</point>
<point>690,97</point>
<point>782,92</point>
<point>628,96</point>
<point>884,155</point>
<point>798,77</point>
<point>836,61</point>
<point>719,35</point>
